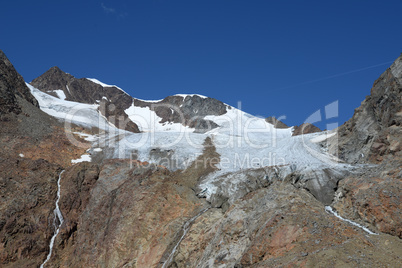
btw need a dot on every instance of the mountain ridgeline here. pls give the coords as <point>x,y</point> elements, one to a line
<point>188,110</point>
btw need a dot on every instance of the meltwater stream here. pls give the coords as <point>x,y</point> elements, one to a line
<point>57,214</point>
<point>330,210</point>
<point>185,228</point>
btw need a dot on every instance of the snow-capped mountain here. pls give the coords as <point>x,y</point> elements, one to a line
<point>90,176</point>
<point>172,132</point>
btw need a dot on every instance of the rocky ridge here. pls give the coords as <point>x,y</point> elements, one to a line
<point>374,131</point>
<point>188,110</point>
<point>33,151</point>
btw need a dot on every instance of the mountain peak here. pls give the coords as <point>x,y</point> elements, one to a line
<point>12,87</point>
<point>55,70</point>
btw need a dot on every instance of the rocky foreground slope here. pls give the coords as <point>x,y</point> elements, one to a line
<point>33,150</point>
<point>133,213</point>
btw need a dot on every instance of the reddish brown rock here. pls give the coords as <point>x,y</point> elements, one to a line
<point>277,123</point>
<point>376,200</point>
<point>281,226</point>
<point>27,194</point>
<point>305,128</point>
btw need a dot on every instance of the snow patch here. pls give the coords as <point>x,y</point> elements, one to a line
<point>60,94</point>
<point>83,158</point>
<point>149,100</point>
<point>330,210</point>
<point>148,121</point>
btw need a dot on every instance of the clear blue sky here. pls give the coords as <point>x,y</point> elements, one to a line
<point>277,57</point>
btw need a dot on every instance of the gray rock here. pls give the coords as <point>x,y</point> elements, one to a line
<point>368,135</point>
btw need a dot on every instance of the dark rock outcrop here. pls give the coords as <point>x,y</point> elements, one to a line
<point>19,110</point>
<point>13,89</point>
<point>374,131</point>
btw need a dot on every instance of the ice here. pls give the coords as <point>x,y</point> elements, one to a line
<point>86,115</point>
<point>149,100</point>
<point>148,121</point>
<point>83,158</point>
<point>60,94</point>
<point>243,141</point>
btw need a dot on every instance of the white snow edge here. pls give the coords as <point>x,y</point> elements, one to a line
<point>330,210</point>
<point>96,81</point>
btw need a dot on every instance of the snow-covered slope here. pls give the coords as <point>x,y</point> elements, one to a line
<point>148,121</point>
<point>244,142</point>
<point>85,115</point>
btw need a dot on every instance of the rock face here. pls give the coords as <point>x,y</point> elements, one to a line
<point>374,135</point>
<point>305,128</point>
<point>277,123</point>
<point>374,198</point>
<point>374,131</point>
<point>27,190</point>
<point>124,214</point>
<point>33,151</point>
<point>281,226</point>
<point>13,90</point>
